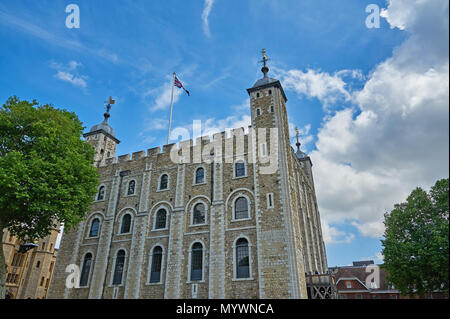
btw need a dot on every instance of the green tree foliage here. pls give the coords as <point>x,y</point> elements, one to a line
<point>416,244</point>
<point>46,171</point>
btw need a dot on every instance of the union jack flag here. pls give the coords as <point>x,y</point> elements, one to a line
<point>179,85</point>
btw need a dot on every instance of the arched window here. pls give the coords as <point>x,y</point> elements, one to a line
<point>200,176</point>
<point>258,112</point>
<point>199,214</point>
<point>38,264</point>
<point>126,224</point>
<point>239,169</point>
<point>163,184</point>
<point>197,262</point>
<point>118,270</point>
<point>241,208</point>
<point>161,216</point>
<point>131,187</point>
<point>94,228</point>
<point>86,270</point>
<point>101,193</point>
<point>155,274</point>
<point>242,259</point>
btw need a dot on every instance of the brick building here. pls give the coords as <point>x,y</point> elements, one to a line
<point>351,283</point>
<point>200,219</point>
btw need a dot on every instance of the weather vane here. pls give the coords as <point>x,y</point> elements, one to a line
<point>110,102</point>
<point>297,135</point>
<point>265,59</point>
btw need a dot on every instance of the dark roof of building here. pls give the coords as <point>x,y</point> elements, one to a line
<point>359,272</point>
<point>363,263</point>
<point>103,126</point>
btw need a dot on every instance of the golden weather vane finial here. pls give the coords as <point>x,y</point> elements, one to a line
<point>109,103</point>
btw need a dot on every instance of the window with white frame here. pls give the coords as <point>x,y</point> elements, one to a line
<point>161,219</point>
<point>199,214</point>
<point>242,259</point>
<point>125,226</point>
<point>131,190</point>
<point>200,175</point>
<point>263,149</point>
<point>164,182</point>
<point>241,210</point>
<point>270,200</point>
<point>95,226</point>
<point>119,267</point>
<point>101,193</point>
<point>156,265</point>
<point>87,262</point>
<point>239,169</point>
<point>197,262</point>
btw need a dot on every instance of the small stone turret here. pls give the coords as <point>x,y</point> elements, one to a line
<point>102,138</point>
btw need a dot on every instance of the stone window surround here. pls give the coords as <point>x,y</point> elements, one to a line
<point>159,182</point>
<point>98,192</point>
<point>164,207</point>
<point>204,251</point>
<point>191,219</point>
<point>268,201</point>
<point>250,259</point>
<point>233,208</point>
<point>91,218</point>
<point>121,215</point>
<point>89,251</point>
<point>195,175</point>
<point>135,188</point>
<point>245,168</point>
<point>114,268</point>
<point>150,260</point>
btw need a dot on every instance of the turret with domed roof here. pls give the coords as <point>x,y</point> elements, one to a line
<point>102,138</point>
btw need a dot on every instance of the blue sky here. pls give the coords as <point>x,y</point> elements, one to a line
<point>329,62</point>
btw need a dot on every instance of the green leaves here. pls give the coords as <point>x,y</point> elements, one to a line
<point>416,244</point>
<point>46,171</point>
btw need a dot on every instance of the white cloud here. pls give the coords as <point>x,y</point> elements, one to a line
<point>68,73</point>
<point>163,96</point>
<point>205,16</point>
<point>332,235</point>
<point>327,88</point>
<point>395,136</point>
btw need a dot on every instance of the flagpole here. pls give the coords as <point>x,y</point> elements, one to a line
<point>171,107</point>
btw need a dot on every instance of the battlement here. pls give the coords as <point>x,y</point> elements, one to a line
<point>233,137</point>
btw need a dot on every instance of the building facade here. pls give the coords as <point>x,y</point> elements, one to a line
<point>29,273</point>
<point>351,283</point>
<point>214,223</point>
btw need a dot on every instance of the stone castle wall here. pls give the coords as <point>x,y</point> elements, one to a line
<point>285,239</point>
